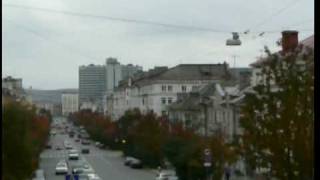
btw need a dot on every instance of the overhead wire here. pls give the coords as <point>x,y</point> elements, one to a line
<point>289,5</point>
<point>126,20</point>
<point>68,47</point>
<point>117,19</point>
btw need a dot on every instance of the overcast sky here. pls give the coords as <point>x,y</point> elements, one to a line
<point>46,49</point>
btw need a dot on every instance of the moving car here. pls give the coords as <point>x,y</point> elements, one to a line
<point>92,176</point>
<point>48,146</point>
<point>85,151</point>
<point>77,169</point>
<point>85,142</point>
<point>136,164</point>
<point>73,154</point>
<point>62,167</point>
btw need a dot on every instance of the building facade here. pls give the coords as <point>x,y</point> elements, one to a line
<point>69,103</point>
<point>92,84</point>
<point>156,89</point>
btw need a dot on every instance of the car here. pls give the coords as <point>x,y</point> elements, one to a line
<point>128,160</point>
<point>62,168</point>
<point>48,146</point>
<point>166,175</point>
<point>136,164</point>
<point>85,142</point>
<point>58,148</point>
<point>77,140</point>
<point>73,154</point>
<point>87,168</point>
<point>85,151</point>
<point>93,176</point>
<point>77,169</point>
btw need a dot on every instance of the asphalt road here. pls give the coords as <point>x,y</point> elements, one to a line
<point>107,164</point>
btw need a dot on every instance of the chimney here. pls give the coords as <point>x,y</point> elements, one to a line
<point>289,41</point>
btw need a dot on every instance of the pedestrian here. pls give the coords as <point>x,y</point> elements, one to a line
<point>227,172</point>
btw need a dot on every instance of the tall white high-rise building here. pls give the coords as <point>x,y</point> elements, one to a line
<point>69,103</point>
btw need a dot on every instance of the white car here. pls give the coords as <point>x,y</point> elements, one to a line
<point>166,175</point>
<point>62,168</point>
<point>87,168</point>
<point>73,154</point>
<point>93,176</point>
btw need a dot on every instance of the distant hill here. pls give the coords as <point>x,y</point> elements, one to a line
<point>52,96</point>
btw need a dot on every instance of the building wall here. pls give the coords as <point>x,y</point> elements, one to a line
<point>151,97</point>
<point>69,103</point>
<point>91,84</point>
<point>113,74</point>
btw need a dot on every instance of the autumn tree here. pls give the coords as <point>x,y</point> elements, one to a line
<point>278,116</point>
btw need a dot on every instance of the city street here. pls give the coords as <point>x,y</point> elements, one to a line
<point>107,164</point>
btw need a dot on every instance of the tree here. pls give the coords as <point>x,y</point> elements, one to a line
<point>278,118</point>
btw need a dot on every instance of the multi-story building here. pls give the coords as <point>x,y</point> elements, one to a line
<point>113,74</point>
<point>92,84</point>
<point>12,83</point>
<point>156,89</point>
<point>69,102</point>
<point>97,81</point>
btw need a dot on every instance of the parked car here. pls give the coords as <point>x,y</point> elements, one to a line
<point>62,168</point>
<point>166,175</point>
<point>77,140</point>
<point>136,164</point>
<point>128,160</point>
<point>58,148</point>
<point>85,151</point>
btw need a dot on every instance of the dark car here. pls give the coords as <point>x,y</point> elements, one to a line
<point>85,151</point>
<point>136,164</point>
<point>58,148</point>
<point>48,146</point>
<point>85,142</point>
<point>77,140</point>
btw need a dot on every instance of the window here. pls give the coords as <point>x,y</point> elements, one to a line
<point>194,87</point>
<point>163,100</point>
<point>184,88</point>
<point>169,100</point>
<point>142,101</point>
<point>170,88</point>
<point>164,88</point>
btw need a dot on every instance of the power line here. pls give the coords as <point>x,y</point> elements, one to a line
<point>117,19</point>
<point>68,48</point>
<point>275,14</point>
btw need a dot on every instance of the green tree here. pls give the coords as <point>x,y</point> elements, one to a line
<point>278,117</point>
